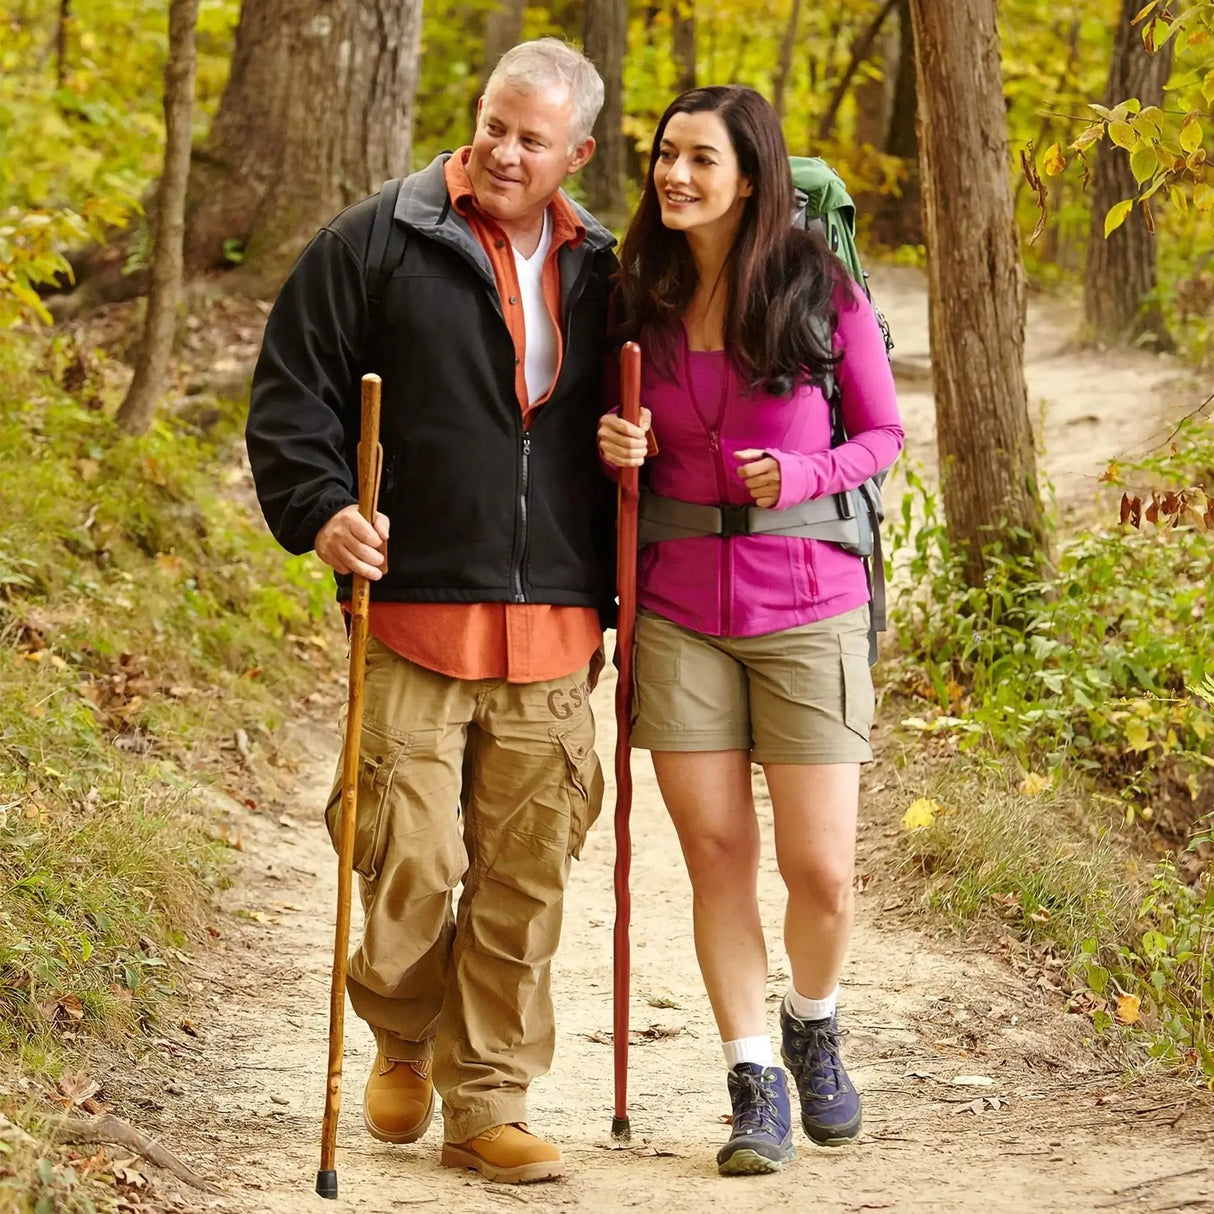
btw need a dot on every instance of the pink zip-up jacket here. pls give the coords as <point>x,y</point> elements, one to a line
<point>755,584</point>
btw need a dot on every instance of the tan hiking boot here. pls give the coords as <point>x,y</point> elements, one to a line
<point>398,1104</point>
<point>509,1154</point>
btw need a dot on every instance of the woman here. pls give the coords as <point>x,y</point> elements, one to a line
<point>753,646</point>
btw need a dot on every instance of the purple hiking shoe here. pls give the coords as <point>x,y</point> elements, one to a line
<point>761,1140</point>
<point>830,1104</point>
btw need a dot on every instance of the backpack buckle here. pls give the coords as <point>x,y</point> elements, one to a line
<point>735,520</point>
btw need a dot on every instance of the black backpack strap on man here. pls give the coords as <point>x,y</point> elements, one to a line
<point>385,249</point>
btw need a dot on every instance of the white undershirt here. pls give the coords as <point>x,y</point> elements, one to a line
<point>539,363</point>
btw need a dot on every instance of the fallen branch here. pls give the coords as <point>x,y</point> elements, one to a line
<point>110,1129</point>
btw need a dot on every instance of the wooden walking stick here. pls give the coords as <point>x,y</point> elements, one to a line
<point>626,585</point>
<point>370,465</point>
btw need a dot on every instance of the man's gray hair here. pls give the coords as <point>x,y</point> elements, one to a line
<point>533,65</point>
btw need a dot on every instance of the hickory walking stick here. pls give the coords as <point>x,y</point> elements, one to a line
<point>626,584</point>
<point>370,465</point>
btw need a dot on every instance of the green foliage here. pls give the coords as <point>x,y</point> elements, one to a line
<point>1166,147</point>
<point>1168,966</point>
<point>144,616</point>
<point>79,154</point>
<point>1088,669</point>
<point>1098,681</point>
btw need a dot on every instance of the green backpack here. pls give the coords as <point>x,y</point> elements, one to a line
<point>822,200</point>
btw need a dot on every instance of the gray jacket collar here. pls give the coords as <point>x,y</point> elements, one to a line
<point>425,206</point>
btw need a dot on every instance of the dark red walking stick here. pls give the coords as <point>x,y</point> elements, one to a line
<point>626,584</point>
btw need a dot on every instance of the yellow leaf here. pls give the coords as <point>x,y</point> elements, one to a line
<point>1138,735</point>
<point>1034,784</point>
<point>1127,1009</point>
<point>1054,161</point>
<point>921,813</point>
<point>1122,134</point>
<point>1117,216</point>
<point>1190,133</point>
<point>1203,197</point>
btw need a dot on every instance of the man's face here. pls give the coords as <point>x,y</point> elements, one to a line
<point>523,151</point>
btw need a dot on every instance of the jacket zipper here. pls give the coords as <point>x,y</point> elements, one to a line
<point>521,545</point>
<point>714,445</point>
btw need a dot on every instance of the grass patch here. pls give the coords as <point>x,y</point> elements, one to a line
<point>1031,860</point>
<point>39,1180</point>
<point>145,616</point>
<point>1093,686</point>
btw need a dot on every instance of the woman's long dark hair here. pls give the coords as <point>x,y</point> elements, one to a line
<point>779,278</point>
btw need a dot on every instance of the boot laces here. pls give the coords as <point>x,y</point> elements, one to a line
<point>754,1103</point>
<point>822,1069</point>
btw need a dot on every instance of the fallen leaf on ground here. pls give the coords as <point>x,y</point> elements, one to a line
<point>1034,784</point>
<point>974,1081</point>
<point>1128,1009</point>
<point>126,1173</point>
<point>921,813</point>
<point>78,1088</point>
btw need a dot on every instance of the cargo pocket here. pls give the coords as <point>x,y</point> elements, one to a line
<point>379,756</point>
<point>584,784</point>
<point>858,696</point>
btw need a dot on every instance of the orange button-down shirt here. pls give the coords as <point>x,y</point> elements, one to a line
<point>518,642</point>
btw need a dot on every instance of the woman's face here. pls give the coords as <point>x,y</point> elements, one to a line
<point>696,176</point>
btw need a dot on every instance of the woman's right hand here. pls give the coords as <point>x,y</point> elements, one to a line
<point>622,444</point>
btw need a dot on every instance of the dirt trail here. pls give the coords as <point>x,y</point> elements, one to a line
<point>244,1102</point>
<point>921,1011</point>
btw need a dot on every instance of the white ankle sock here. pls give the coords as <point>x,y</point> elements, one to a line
<point>748,1049</point>
<point>805,1008</point>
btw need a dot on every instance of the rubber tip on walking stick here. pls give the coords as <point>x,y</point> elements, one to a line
<point>326,1184</point>
<point>621,1131</point>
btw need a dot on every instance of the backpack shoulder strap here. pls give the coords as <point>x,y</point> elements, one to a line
<point>385,246</point>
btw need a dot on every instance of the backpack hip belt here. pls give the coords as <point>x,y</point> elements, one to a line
<point>850,520</point>
<point>835,520</point>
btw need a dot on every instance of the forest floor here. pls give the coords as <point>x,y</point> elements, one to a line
<point>1055,1122</point>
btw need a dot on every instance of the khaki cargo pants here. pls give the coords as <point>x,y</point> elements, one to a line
<point>468,987</point>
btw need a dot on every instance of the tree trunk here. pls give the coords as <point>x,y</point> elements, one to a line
<point>503,29</point>
<point>898,220</point>
<point>160,321</point>
<point>860,51</point>
<point>683,39</point>
<point>605,41</point>
<point>875,98</point>
<point>65,16</point>
<point>1122,270</point>
<point>317,113</point>
<point>988,467</point>
<point>787,45</point>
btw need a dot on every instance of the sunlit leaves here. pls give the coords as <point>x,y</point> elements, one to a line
<point>1117,216</point>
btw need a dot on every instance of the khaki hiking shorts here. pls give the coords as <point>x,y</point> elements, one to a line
<point>804,695</point>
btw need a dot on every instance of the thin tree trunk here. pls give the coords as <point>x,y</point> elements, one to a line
<point>987,462</point>
<point>65,15</point>
<point>899,218</point>
<point>683,42</point>
<point>317,113</point>
<point>861,49</point>
<point>1122,271</point>
<point>875,96</point>
<point>605,41</point>
<point>787,45</point>
<point>503,29</point>
<point>152,366</point>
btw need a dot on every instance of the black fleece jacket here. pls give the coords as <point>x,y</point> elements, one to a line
<point>481,509</point>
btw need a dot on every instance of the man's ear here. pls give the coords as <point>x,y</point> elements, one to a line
<point>581,154</point>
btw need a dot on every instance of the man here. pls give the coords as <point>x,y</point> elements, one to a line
<point>486,610</point>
